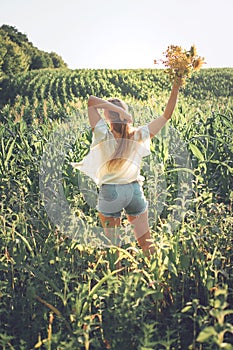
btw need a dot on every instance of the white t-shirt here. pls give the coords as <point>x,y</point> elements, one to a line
<point>103,147</point>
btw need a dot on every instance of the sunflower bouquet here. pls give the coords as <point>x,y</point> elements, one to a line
<point>181,63</point>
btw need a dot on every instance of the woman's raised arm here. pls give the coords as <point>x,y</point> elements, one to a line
<point>158,123</point>
<point>95,103</point>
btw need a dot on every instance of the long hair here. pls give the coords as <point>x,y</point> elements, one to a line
<point>123,144</point>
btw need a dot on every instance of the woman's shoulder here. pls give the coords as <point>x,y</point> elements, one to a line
<point>100,133</point>
<point>141,132</point>
<point>132,130</point>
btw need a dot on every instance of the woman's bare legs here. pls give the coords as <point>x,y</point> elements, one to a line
<point>110,224</point>
<point>140,226</point>
<point>142,232</point>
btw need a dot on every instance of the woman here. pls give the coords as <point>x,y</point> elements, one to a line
<point>114,163</point>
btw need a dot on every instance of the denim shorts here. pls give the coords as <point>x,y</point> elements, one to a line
<point>113,198</point>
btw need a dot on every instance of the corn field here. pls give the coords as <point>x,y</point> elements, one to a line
<point>62,291</point>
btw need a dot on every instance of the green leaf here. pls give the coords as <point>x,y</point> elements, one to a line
<point>206,333</point>
<point>9,153</point>
<point>186,309</point>
<point>197,153</point>
<point>184,261</point>
<point>172,268</point>
<point>226,346</point>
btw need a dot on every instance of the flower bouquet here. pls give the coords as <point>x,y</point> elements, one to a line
<point>181,63</point>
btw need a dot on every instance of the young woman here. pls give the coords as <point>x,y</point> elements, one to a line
<point>114,163</point>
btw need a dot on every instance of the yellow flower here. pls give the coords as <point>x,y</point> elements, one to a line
<point>181,63</point>
<point>198,63</point>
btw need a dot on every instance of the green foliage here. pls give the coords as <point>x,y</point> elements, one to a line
<point>56,293</point>
<point>218,82</point>
<point>57,60</point>
<point>18,55</point>
<point>41,60</point>
<point>14,35</point>
<point>12,56</point>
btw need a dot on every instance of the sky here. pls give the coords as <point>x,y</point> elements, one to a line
<point>124,34</point>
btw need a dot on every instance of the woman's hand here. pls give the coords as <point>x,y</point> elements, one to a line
<point>95,103</point>
<point>124,115</point>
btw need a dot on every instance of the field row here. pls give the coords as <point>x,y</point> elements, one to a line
<point>64,85</point>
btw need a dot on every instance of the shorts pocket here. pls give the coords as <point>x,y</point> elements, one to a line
<point>108,193</point>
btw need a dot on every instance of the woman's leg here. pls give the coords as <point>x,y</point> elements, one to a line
<point>110,224</point>
<point>142,232</point>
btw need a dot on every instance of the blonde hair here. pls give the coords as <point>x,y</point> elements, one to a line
<point>121,127</point>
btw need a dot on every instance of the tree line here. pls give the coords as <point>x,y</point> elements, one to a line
<point>18,55</point>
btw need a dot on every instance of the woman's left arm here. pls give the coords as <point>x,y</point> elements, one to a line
<point>172,101</point>
<point>158,123</point>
